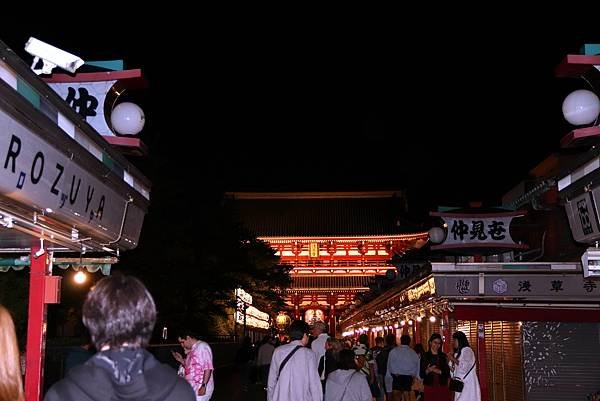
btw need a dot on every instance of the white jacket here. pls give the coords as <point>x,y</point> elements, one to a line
<point>299,380</point>
<point>471,391</point>
<point>353,382</point>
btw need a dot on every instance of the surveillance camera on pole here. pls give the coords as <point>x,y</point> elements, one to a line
<point>51,57</point>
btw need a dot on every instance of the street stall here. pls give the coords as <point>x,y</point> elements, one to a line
<point>534,327</point>
<point>63,189</point>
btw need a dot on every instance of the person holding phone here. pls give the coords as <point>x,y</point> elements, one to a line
<point>435,371</point>
<point>197,366</point>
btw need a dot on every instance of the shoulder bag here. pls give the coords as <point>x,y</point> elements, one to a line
<point>287,358</point>
<point>457,384</point>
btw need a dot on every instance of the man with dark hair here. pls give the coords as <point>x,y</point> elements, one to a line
<point>197,367</point>
<point>120,314</point>
<point>402,367</point>
<point>293,373</point>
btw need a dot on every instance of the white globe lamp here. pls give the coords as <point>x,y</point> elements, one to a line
<point>581,107</point>
<point>436,235</point>
<point>127,118</point>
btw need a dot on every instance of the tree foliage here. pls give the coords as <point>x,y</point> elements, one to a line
<point>192,265</point>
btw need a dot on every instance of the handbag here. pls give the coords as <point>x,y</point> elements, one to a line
<point>457,384</point>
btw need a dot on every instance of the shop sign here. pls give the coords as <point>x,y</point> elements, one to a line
<point>421,291</point>
<point>35,173</point>
<point>478,230</point>
<point>582,217</point>
<point>87,99</point>
<point>517,285</point>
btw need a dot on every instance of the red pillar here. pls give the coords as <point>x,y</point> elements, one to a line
<point>482,360</point>
<point>446,332</point>
<point>332,300</point>
<point>36,326</point>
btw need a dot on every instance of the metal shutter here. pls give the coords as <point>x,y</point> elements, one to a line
<point>504,361</point>
<point>561,360</point>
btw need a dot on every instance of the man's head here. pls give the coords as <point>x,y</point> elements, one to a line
<point>405,339</point>
<point>119,310</point>
<point>298,330</point>
<point>187,338</point>
<point>318,328</point>
<point>379,341</point>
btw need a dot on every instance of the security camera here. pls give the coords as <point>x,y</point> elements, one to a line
<point>39,253</point>
<point>51,57</point>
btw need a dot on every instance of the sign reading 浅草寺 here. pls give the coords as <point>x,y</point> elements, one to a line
<point>34,172</point>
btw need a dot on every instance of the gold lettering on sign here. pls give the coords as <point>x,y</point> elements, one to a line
<point>314,250</point>
<point>427,288</point>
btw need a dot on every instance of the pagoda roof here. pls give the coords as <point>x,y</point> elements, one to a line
<point>330,214</point>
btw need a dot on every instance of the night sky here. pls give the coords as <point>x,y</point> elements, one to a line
<point>453,112</point>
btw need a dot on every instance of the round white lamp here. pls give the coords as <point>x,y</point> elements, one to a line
<point>581,107</point>
<point>127,118</point>
<point>437,235</point>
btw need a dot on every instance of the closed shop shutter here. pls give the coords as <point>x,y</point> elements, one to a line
<point>504,361</point>
<point>561,360</point>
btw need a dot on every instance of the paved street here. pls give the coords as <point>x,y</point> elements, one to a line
<point>228,387</point>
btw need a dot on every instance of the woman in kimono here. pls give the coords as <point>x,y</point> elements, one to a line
<point>463,365</point>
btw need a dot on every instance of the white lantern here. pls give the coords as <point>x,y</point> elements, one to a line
<point>436,235</point>
<point>127,118</point>
<point>581,107</point>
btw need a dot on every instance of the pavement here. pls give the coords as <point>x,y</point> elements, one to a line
<point>230,386</point>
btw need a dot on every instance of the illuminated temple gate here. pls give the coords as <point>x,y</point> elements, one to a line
<point>336,242</point>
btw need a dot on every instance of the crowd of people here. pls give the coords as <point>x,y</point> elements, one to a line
<point>314,366</point>
<point>310,365</point>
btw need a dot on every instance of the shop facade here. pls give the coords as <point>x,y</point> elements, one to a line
<point>63,190</point>
<point>535,327</point>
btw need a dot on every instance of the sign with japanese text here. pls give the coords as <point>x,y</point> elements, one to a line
<point>87,99</point>
<point>478,230</point>
<point>254,318</point>
<point>314,250</point>
<point>528,286</point>
<point>243,296</point>
<point>405,269</point>
<point>582,217</point>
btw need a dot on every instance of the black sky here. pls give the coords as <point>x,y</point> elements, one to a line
<point>454,112</point>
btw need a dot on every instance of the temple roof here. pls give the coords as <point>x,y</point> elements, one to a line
<point>320,214</point>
